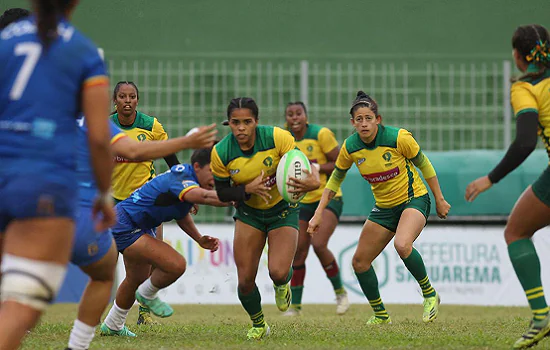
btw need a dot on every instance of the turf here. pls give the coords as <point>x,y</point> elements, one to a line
<point>225,327</point>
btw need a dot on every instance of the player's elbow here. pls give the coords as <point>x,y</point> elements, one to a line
<point>224,195</point>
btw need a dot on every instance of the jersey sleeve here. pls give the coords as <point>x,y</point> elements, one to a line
<point>116,133</point>
<point>219,170</point>
<point>344,160</point>
<point>407,145</point>
<point>327,140</point>
<point>183,182</point>
<point>522,99</point>
<point>95,71</point>
<point>284,141</point>
<point>158,131</point>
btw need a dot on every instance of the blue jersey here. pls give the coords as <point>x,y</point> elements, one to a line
<point>87,189</point>
<point>161,199</point>
<point>40,92</point>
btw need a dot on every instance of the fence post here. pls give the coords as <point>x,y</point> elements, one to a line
<point>304,82</point>
<point>507,74</point>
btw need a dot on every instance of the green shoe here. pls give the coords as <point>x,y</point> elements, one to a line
<point>145,318</point>
<point>431,308</point>
<point>158,307</point>
<point>537,330</point>
<point>376,320</point>
<point>257,333</point>
<point>283,296</point>
<point>124,332</point>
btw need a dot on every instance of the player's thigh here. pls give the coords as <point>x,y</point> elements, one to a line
<point>46,239</point>
<point>304,241</point>
<point>281,243</point>
<point>137,270</point>
<point>326,229</point>
<point>248,245</point>
<point>410,226</point>
<point>156,253</point>
<point>372,241</point>
<point>104,268</point>
<point>529,215</point>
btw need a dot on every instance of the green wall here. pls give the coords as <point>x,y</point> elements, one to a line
<point>307,28</point>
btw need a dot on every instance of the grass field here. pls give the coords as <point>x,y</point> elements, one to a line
<point>225,327</point>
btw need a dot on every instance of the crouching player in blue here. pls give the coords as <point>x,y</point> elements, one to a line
<point>169,196</point>
<point>93,250</point>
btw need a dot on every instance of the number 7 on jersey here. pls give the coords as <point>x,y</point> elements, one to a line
<point>32,52</point>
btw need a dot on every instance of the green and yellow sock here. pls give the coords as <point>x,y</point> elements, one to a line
<point>369,285</point>
<point>527,266</point>
<point>416,267</point>
<point>252,303</point>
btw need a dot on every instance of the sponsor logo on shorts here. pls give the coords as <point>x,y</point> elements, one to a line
<point>382,176</point>
<point>375,210</point>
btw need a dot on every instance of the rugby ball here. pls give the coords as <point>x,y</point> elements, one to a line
<point>292,164</point>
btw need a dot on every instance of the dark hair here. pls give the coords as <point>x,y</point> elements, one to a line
<point>201,156</point>
<point>532,42</point>
<point>47,17</point>
<point>242,102</point>
<point>120,83</point>
<point>297,103</point>
<point>363,100</point>
<point>11,15</point>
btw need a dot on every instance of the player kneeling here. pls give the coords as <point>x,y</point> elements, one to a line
<point>169,196</point>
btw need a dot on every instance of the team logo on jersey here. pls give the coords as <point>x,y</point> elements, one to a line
<point>234,171</point>
<point>387,156</point>
<point>187,183</point>
<point>268,162</point>
<point>141,137</point>
<point>360,161</point>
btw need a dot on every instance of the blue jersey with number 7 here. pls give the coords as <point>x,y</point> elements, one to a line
<point>40,92</point>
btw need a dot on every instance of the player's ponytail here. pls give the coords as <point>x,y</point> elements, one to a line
<point>363,100</point>
<point>47,18</point>
<point>532,42</point>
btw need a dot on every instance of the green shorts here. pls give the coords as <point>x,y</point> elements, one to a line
<point>541,187</point>
<point>280,215</point>
<point>307,210</point>
<point>389,217</point>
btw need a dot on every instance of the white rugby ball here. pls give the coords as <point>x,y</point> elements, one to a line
<point>292,164</point>
<point>192,131</point>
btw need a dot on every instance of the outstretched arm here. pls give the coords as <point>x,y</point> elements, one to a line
<point>188,226</point>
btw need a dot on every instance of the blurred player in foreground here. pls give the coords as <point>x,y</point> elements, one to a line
<point>530,97</point>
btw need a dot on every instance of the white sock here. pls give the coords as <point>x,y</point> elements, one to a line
<point>148,290</point>
<point>116,318</point>
<point>81,336</point>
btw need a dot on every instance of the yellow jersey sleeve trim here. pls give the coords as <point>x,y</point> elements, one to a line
<point>117,137</point>
<point>185,190</point>
<point>98,80</point>
<point>344,160</point>
<point>327,140</point>
<point>218,169</point>
<point>284,141</point>
<point>407,145</point>
<point>522,97</point>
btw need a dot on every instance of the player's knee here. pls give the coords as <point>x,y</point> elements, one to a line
<point>30,282</point>
<point>403,248</point>
<point>360,263</point>
<point>278,275</point>
<point>320,247</point>
<point>300,256</point>
<point>177,266</point>
<point>246,286</point>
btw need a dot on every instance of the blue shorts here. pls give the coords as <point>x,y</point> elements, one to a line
<point>126,232</point>
<point>33,195</point>
<point>89,246</point>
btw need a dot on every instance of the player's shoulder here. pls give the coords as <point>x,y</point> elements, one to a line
<point>182,171</point>
<point>223,148</point>
<point>313,131</point>
<point>388,136</point>
<point>145,122</point>
<point>353,143</point>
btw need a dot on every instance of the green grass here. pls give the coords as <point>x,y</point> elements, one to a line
<point>225,327</point>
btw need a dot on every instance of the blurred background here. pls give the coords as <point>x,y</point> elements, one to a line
<point>438,68</point>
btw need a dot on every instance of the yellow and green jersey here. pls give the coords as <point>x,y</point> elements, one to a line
<point>230,163</point>
<point>533,95</point>
<point>387,164</point>
<point>130,175</point>
<point>316,143</point>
